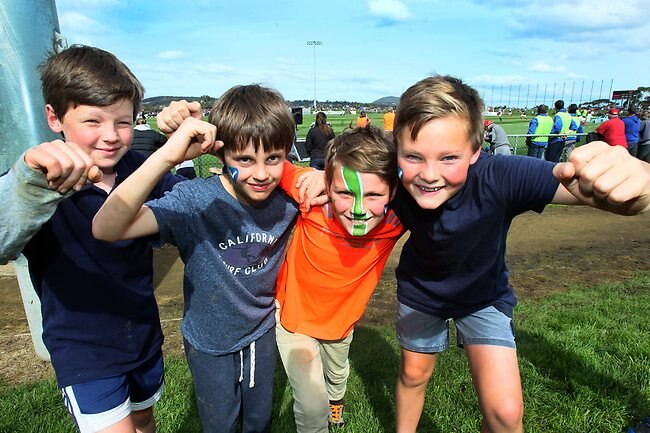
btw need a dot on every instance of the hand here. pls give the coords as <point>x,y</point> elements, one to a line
<point>171,117</point>
<point>607,177</point>
<point>192,138</point>
<point>65,165</point>
<point>311,189</point>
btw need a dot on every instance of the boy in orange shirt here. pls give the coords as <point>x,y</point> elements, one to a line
<point>332,266</point>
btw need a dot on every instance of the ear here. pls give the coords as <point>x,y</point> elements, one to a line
<point>52,119</point>
<point>475,156</point>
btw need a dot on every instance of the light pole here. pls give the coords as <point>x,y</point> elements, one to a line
<point>314,43</point>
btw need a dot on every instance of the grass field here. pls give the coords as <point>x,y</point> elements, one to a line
<point>584,357</point>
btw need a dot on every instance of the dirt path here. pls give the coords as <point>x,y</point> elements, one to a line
<point>546,253</point>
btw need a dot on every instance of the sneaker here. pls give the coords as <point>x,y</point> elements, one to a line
<point>336,414</point>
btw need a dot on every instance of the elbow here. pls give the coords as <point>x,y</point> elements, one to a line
<point>100,232</point>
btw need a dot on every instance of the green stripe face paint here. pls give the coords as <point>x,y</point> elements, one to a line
<point>353,183</point>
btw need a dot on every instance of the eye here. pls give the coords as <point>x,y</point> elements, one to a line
<point>243,160</point>
<point>450,158</point>
<point>411,157</point>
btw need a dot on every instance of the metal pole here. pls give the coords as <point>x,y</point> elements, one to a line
<point>314,44</point>
<point>582,89</point>
<point>29,32</point>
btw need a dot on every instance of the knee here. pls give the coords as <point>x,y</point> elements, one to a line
<point>143,420</point>
<point>506,416</point>
<point>412,375</point>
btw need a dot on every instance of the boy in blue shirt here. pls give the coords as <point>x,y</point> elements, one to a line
<point>100,319</point>
<point>231,232</point>
<point>458,204</point>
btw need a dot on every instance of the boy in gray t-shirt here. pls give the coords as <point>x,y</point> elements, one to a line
<point>231,231</point>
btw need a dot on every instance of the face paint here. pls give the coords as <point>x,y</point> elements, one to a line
<point>400,173</point>
<point>355,186</point>
<point>233,173</point>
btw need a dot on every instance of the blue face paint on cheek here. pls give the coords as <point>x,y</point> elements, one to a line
<point>385,209</point>
<point>400,173</point>
<point>233,173</point>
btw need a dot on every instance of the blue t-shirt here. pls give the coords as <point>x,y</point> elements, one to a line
<point>100,316</point>
<point>232,254</point>
<point>453,263</point>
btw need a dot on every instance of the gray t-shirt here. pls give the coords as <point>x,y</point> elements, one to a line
<point>232,254</point>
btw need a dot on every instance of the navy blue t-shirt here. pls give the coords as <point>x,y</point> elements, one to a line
<point>100,317</point>
<point>453,263</point>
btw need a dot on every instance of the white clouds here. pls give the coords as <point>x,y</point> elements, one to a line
<point>581,20</point>
<point>392,10</point>
<point>170,55</point>
<point>546,68</point>
<point>79,23</point>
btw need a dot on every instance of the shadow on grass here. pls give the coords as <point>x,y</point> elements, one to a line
<point>376,361</point>
<point>568,373</point>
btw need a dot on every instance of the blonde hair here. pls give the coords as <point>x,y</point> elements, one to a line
<point>436,98</point>
<point>363,149</point>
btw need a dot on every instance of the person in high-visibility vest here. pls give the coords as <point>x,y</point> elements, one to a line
<point>562,124</point>
<point>542,125</point>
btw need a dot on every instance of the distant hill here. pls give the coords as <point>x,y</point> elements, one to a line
<point>387,100</point>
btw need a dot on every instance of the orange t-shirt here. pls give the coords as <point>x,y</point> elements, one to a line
<point>328,275</point>
<point>389,121</point>
<point>362,121</point>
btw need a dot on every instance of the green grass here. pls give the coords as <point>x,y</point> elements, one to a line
<point>584,357</point>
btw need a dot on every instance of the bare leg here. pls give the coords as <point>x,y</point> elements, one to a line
<point>415,371</point>
<point>495,373</point>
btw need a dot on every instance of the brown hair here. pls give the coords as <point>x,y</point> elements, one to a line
<point>436,98</point>
<point>83,75</point>
<point>363,149</point>
<point>321,122</point>
<point>253,113</point>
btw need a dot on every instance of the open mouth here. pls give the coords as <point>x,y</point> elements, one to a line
<point>359,220</point>
<point>430,188</point>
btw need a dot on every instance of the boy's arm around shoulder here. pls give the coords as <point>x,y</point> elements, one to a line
<point>42,177</point>
<point>123,215</point>
<point>305,185</point>
<point>606,177</point>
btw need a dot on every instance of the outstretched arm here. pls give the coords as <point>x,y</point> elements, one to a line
<point>606,177</point>
<point>33,188</point>
<point>123,215</point>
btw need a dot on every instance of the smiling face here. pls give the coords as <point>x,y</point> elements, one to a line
<point>253,174</point>
<point>434,165</point>
<point>105,133</point>
<point>358,200</point>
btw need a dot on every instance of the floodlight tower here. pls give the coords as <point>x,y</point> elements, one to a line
<point>314,44</point>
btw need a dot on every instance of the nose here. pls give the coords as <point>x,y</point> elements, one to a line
<point>260,172</point>
<point>430,173</point>
<point>109,133</point>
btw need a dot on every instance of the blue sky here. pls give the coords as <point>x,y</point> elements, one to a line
<point>371,48</point>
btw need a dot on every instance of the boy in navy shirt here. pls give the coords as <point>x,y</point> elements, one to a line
<point>458,204</point>
<point>100,318</point>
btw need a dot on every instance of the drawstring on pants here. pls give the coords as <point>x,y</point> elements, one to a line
<point>251,382</point>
